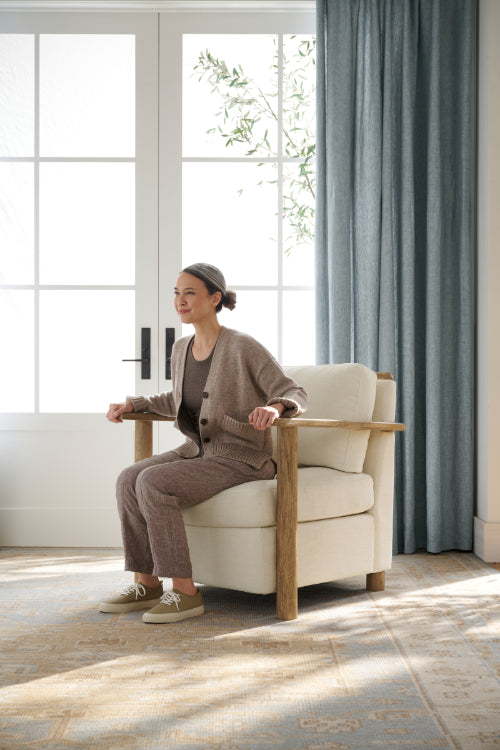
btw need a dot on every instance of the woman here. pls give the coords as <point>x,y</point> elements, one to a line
<point>227,390</point>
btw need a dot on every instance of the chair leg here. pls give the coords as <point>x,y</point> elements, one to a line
<point>143,439</point>
<point>286,525</point>
<point>375,581</point>
<point>143,449</point>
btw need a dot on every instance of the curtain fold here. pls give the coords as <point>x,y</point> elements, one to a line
<point>395,237</point>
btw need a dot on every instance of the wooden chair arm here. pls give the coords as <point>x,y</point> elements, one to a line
<point>146,416</point>
<point>342,424</point>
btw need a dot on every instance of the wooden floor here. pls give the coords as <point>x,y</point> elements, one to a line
<point>495,565</point>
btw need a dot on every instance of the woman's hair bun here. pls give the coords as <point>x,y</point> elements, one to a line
<point>229,299</point>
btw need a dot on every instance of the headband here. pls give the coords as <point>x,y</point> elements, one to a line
<point>206,272</point>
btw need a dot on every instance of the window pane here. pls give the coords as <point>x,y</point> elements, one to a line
<point>298,328</point>
<point>17,384</point>
<point>17,95</point>
<point>256,313</point>
<point>229,220</point>
<point>87,95</point>
<point>230,84</point>
<point>299,92</point>
<point>16,223</point>
<point>87,223</point>
<point>84,335</point>
<point>298,226</point>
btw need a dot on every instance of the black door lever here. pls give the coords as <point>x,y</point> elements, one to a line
<point>169,342</point>
<point>145,359</point>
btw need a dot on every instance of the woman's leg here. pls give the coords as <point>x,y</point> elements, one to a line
<point>164,489</point>
<point>134,528</point>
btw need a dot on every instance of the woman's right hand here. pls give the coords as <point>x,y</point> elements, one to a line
<point>115,411</point>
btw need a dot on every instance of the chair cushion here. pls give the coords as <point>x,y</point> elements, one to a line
<point>322,493</point>
<point>344,392</point>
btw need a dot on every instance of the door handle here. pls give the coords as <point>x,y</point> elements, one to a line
<point>145,359</point>
<point>169,342</point>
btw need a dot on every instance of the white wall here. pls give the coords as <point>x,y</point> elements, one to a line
<point>64,494</point>
<point>487,520</point>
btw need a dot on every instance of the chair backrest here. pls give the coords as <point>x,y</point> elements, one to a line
<point>385,399</point>
<point>345,391</point>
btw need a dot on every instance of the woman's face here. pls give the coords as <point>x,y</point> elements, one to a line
<point>192,301</point>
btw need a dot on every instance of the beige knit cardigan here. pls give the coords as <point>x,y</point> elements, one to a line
<point>243,375</point>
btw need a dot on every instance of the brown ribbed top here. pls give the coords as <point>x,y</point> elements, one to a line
<point>195,377</point>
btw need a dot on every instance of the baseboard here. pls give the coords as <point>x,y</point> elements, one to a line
<point>487,540</point>
<point>59,527</point>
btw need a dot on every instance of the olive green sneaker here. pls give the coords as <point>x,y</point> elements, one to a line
<point>175,606</point>
<point>136,596</point>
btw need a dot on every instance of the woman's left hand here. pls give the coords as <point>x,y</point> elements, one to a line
<point>263,417</point>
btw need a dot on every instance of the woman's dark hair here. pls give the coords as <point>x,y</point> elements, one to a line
<point>214,282</point>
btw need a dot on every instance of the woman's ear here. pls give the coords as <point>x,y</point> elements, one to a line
<point>216,298</point>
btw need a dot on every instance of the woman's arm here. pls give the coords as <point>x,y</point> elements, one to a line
<point>283,396</point>
<point>281,391</point>
<point>162,403</point>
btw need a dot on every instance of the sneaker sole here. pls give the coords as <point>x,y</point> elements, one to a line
<point>131,607</point>
<point>173,616</point>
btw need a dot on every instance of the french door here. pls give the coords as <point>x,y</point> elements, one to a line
<point>79,265</point>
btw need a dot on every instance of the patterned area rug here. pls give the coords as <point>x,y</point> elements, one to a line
<point>415,666</point>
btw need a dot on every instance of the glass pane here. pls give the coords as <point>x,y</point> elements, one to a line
<point>87,223</point>
<point>229,220</point>
<point>17,95</point>
<point>84,335</point>
<point>256,313</point>
<point>230,94</point>
<point>87,95</point>
<point>16,223</point>
<point>298,226</point>
<point>17,343</point>
<point>299,95</point>
<point>299,335</point>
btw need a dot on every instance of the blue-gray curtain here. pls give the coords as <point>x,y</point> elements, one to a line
<point>395,236</point>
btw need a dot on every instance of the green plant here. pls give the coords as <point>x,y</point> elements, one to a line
<point>245,112</point>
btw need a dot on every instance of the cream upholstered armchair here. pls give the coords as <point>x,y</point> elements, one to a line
<point>327,515</point>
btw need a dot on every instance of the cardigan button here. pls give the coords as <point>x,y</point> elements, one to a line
<point>206,440</point>
<point>203,421</point>
<point>204,394</point>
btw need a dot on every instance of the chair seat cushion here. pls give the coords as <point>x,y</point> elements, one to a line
<point>322,493</point>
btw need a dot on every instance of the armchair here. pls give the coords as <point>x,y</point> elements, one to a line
<point>328,513</point>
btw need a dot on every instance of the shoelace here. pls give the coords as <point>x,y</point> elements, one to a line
<point>135,588</point>
<point>171,597</point>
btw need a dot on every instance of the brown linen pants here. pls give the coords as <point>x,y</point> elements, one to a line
<point>151,495</point>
